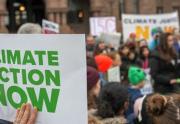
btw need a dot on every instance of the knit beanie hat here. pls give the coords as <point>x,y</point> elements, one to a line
<point>136,75</point>
<point>103,62</point>
<point>156,30</point>
<point>92,77</point>
<point>132,35</point>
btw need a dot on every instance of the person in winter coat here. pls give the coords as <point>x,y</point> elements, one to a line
<point>30,28</point>
<point>93,87</point>
<point>124,51</point>
<point>104,63</point>
<point>158,109</point>
<point>177,43</point>
<point>144,58</point>
<point>91,61</point>
<point>132,58</point>
<point>165,67</point>
<point>93,120</point>
<point>155,34</point>
<point>100,48</point>
<point>90,45</point>
<point>116,58</point>
<point>136,78</point>
<point>112,104</point>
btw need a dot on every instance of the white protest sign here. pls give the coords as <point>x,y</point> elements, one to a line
<point>114,74</point>
<point>148,87</point>
<point>50,27</point>
<point>100,25</point>
<point>142,25</point>
<point>111,38</point>
<point>44,70</point>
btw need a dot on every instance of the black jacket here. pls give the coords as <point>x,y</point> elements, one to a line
<point>5,122</point>
<point>163,72</point>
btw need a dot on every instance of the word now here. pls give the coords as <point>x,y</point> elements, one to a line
<point>37,100</point>
<point>145,31</point>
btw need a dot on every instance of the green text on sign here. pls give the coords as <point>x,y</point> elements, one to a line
<point>39,86</point>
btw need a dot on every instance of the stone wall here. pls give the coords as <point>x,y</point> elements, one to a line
<point>56,10</point>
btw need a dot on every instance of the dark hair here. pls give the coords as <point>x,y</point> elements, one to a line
<point>97,50</point>
<point>142,50</point>
<point>91,62</point>
<point>131,45</point>
<point>132,52</point>
<point>91,100</point>
<point>166,53</point>
<point>121,48</point>
<point>163,109</point>
<point>111,100</point>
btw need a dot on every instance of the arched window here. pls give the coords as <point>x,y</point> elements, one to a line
<point>78,11</point>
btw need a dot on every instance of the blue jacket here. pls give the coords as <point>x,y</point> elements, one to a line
<point>134,95</point>
<point>177,47</point>
<point>153,44</point>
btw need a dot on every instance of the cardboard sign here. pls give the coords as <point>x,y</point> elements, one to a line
<point>112,39</point>
<point>50,27</point>
<point>43,70</point>
<point>142,25</point>
<point>114,74</point>
<point>148,87</point>
<point>100,25</point>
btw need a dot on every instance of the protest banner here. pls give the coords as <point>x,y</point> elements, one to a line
<point>50,27</point>
<point>142,25</point>
<point>100,25</point>
<point>43,70</point>
<point>148,87</point>
<point>112,39</point>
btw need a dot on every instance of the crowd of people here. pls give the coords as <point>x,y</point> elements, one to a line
<point>123,102</point>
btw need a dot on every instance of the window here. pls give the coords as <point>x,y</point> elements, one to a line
<point>76,16</point>
<point>159,10</point>
<point>78,9</point>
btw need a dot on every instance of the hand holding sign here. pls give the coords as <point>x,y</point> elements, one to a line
<point>31,72</point>
<point>25,115</point>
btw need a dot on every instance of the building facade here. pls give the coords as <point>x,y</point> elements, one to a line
<point>73,15</point>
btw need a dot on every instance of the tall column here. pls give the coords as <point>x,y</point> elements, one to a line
<point>58,18</point>
<point>57,12</point>
<point>56,6</point>
<point>3,15</point>
<point>51,16</point>
<point>64,19</point>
